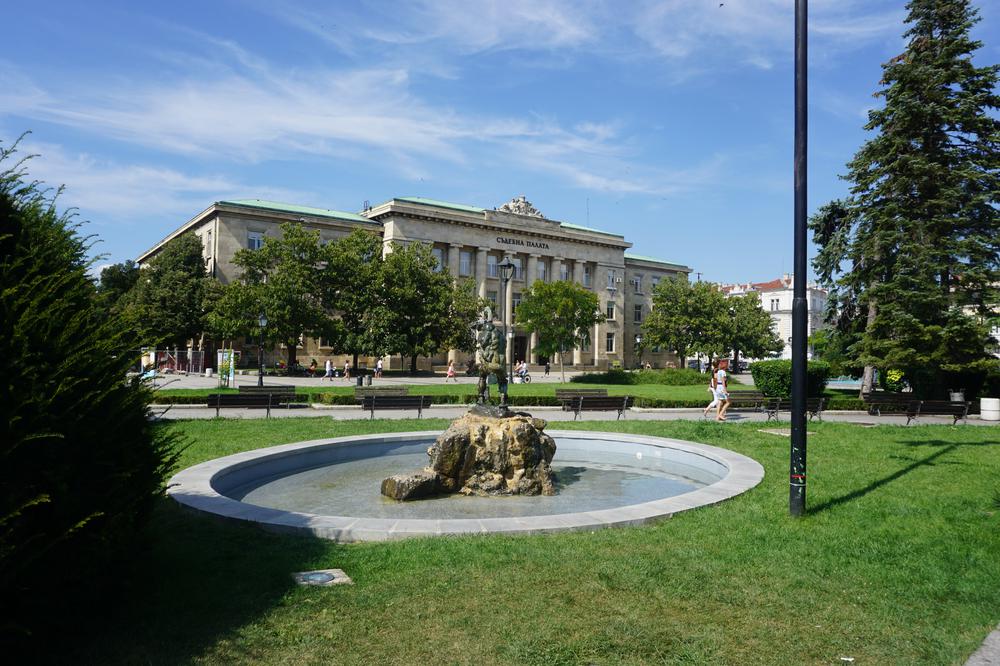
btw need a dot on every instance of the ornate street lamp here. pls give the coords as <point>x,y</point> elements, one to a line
<point>262,322</point>
<point>638,346</point>
<point>506,269</point>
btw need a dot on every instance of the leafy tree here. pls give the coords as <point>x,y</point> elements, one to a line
<point>167,303</point>
<point>562,313</point>
<point>912,256</point>
<point>751,329</point>
<point>80,463</point>
<point>419,313</point>
<point>350,288</point>
<point>116,281</point>
<point>688,318</point>
<point>282,279</point>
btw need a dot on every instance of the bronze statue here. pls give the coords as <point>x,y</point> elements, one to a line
<point>491,346</point>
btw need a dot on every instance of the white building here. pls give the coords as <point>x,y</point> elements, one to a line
<point>776,299</point>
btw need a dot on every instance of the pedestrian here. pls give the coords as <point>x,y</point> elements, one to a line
<point>722,390</point>
<point>711,390</point>
<point>548,367</point>
<point>347,369</point>
<point>378,369</point>
<point>313,367</point>
<point>328,366</point>
<point>451,372</point>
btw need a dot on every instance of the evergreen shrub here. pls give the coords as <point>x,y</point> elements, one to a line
<point>774,378</point>
<point>80,463</point>
<point>667,377</point>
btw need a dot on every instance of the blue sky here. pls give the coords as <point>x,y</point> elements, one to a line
<point>669,122</point>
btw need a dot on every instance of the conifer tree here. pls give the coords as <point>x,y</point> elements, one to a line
<point>912,256</point>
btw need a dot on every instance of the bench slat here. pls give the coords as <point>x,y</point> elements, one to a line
<point>418,402</point>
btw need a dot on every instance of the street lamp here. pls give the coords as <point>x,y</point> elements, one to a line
<point>506,269</point>
<point>262,322</point>
<point>638,346</point>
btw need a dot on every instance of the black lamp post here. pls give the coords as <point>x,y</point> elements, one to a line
<point>638,347</point>
<point>506,268</point>
<point>262,322</point>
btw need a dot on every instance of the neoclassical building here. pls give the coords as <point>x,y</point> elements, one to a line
<point>471,242</point>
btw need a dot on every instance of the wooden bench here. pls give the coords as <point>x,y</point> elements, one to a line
<point>599,403</point>
<point>955,409</point>
<point>747,401</point>
<point>266,400</point>
<point>890,402</point>
<point>568,396</point>
<point>275,388</point>
<point>377,401</point>
<point>814,407</point>
<point>361,392</point>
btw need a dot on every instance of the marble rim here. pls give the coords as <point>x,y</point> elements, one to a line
<point>193,489</point>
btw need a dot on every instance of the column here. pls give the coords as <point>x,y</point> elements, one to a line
<point>454,252</point>
<point>530,276</point>
<point>508,309</point>
<point>597,332</point>
<point>578,278</point>
<point>481,253</point>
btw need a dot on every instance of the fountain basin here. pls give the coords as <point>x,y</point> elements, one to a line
<point>235,487</point>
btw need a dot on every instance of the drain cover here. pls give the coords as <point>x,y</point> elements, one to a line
<point>322,577</point>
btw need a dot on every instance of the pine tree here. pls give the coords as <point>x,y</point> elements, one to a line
<point>912,257</point>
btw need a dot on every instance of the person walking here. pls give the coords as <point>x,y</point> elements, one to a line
<point>451,372</point>
<point>328,367</point>
<point>378,369</point>
<point>722,390</point>
<point>347,369</point>
<point>711,389</point>
<point>548,367</point>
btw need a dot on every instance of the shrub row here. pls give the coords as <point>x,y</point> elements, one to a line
<point>667,377</point>
<point>775,377</point>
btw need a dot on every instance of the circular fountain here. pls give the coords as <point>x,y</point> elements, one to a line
<point>330,488</point>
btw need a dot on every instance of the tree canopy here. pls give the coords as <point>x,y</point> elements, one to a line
<point>687,318</point>
<point>563,314</point>
<point>912,256</point>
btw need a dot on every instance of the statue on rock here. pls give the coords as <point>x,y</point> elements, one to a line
<point>491,348</point>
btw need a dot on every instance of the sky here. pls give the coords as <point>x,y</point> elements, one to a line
<point>669,121</point>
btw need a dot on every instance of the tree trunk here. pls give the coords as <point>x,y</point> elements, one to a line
<point>413,365</point>
<point>868,379</point>
<point>354,364</point>
<point>736,361</point>
<point>562,366</point>
<point>292,351</point>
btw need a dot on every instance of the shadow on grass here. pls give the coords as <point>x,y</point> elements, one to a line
<point>197,581</point>
<point>875,485</point>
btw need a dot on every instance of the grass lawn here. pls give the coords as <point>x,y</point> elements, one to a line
<point>897,562</point>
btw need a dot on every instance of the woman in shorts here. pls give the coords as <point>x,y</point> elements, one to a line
<point>722,390</point>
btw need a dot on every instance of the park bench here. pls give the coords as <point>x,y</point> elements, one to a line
<point>568,397</point>
<point>955,409</point>
<point>264,400</point>
<point>598,403</point>
<point>361,392</point>
<point>814,407</point>
<point>885,400</point>
<point>747,401</point>
<point>376,401</point>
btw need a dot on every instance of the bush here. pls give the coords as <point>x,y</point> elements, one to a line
<point>80,463</point>
<point>668,377</point>
<point>774,378</point>
<point>612,376</point>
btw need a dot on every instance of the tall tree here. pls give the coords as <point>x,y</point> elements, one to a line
<point>351,285</point>
<point>116,281</point>
<point>751,329</point>
<point>912,257</point>
<point>418,311</point>
<point>167,303</point>
<point>688,318</point>
<point>284,277</point>
<point>562,313</point>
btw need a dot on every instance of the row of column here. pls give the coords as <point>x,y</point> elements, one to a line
<point>531,275</point>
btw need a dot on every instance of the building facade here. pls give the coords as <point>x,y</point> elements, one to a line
<point>776,299</point>
<point>471,242</point>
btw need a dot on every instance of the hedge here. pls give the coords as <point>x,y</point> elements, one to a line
<point>774,378</point>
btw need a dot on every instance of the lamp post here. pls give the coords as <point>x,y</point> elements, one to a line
<point>262,322</point>
<point>638,346</point>
<point>506,268</point>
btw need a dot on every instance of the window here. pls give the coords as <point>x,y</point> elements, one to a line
<point>774,304</point>
<point>518,268</point>
<point>585,345</point>
<point>637,316</point>
<point>609,343</point>
<point>588,275</point>
<point>465,263</point>
<point>637,284</point>
<point>439,258</point>
<point>611,311</point>
<point>563,272</point>
<point>326,342</point>
<point>515,300</point>
<point>255,240</point>
<point>492,295</point>
<point>542,270</point>
<point>612,278</point>
<point>491,266</point>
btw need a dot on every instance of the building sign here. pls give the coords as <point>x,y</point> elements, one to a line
<point>523,243</point>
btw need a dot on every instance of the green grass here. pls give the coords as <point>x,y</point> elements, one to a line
<point>897,562</point>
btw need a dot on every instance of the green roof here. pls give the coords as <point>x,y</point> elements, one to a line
<point>593,231</point>
<point>441,204</point>
<point>292,208</point>
<point>639,257</point>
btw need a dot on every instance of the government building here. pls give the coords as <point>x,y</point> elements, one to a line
<point>471,242</point>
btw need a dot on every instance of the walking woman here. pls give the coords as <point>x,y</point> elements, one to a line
<point>451,372</point>
<point>722,389</point>
<point>711,389</point>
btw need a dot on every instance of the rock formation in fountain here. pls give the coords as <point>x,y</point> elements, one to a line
<point>483,455</point>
